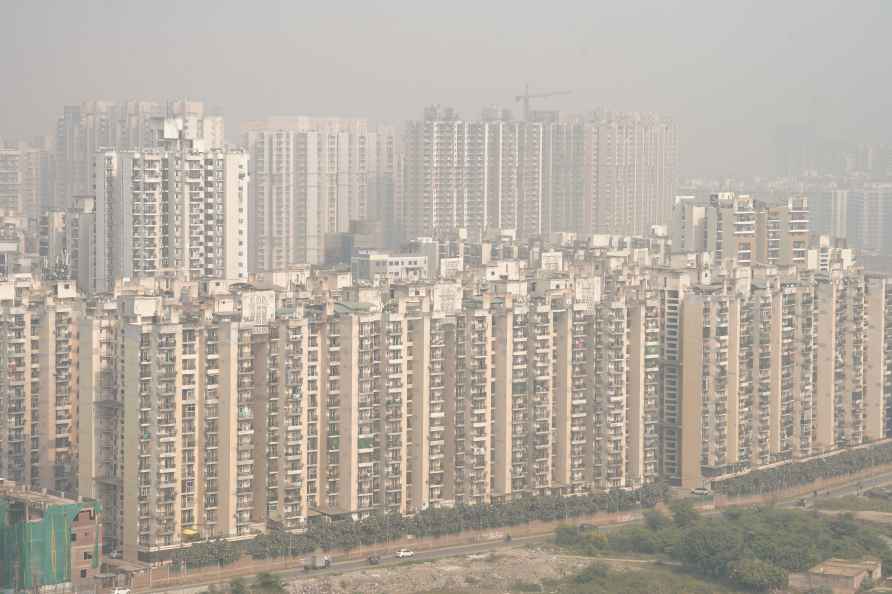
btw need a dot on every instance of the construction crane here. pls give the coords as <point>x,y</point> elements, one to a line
<point>527,96</point>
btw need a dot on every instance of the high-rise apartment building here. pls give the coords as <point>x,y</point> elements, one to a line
<point>565,175</point>
<point>742,229</point>
<point>829,213</point>
<point>443,178</point>
<point>747,393</point>
<point>872,206</point>
<point>93,126</point>
<point>38,386</point>
<point>312,177</point>
<point>232,408</point>
<point>10,180</point>
<point>24,185</point>
<point>612,173</point>
<point>35,189</point>
<point>473,175</point>
<point>857,213</point>
<point>633,163</point>
<point>157,210</point>
<point>218,407</point>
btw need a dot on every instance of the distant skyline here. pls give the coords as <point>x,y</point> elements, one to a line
<point>729,74</point>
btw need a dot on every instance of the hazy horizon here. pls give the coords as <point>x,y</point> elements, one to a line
<point>728,74</point>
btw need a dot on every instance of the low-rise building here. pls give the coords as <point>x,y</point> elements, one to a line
<point>841,576</point>
<point>47,541</point>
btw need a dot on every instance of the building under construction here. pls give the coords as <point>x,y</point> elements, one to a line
<point>47,542</point>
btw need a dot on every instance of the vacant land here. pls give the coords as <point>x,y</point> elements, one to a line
<point>512,571</point>
<point>874,500</point>
<point>478,574</point>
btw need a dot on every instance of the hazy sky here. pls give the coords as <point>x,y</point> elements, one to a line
<point>728,72</point>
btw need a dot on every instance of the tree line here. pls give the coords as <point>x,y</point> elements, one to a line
<point>796,474</point>
<point>347,534</point>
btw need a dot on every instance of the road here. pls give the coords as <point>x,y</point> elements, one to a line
<point>339,567</point>
<point>346,566</point>
<point>848,489</point>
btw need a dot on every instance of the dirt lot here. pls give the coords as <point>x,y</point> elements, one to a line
<point>473,574</point>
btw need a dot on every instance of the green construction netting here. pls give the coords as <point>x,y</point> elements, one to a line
<point>38,550</point>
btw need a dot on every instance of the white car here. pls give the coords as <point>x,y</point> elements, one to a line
<point>701,491</point>
<point>404,554</point>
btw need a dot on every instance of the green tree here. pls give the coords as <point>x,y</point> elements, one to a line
<point>756,575</point>
<point>636,539</point>
<point>268,583</point>
<point>711,548</point>
<point>566,536</point>
<point>683,513</point>
<point>655,520</point>
<point>237,586</point>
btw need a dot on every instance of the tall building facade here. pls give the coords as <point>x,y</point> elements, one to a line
<point>24,185</point>
<point>312,177</point>
<point>566,175</point>
<point>38,387</point>
<point>857,214</point>
<point>158,210</point>
<point>443,182</point>
<point>223,421</point>
<point>742,229</point>
<point>633,164</point>
<point>473,175</point>
<point>610,173</point>
<point>92,126</point>
<point>218,407</point>
<point>10,180</point>
<point>35,189</point>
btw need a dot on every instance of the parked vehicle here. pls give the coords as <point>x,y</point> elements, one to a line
<point>701,491</point>
<point>404,554</point>
<point>374,559</point>
<point>317,562</point>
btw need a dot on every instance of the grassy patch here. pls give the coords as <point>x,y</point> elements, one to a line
<point>855,503</point>
<point>408,562</point>
<point>654,580</point>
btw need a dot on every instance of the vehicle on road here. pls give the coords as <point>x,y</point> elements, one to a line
<point>404,554</point>
<point>374,559</point>
<point>317,562</point>
<point>701,491</point>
